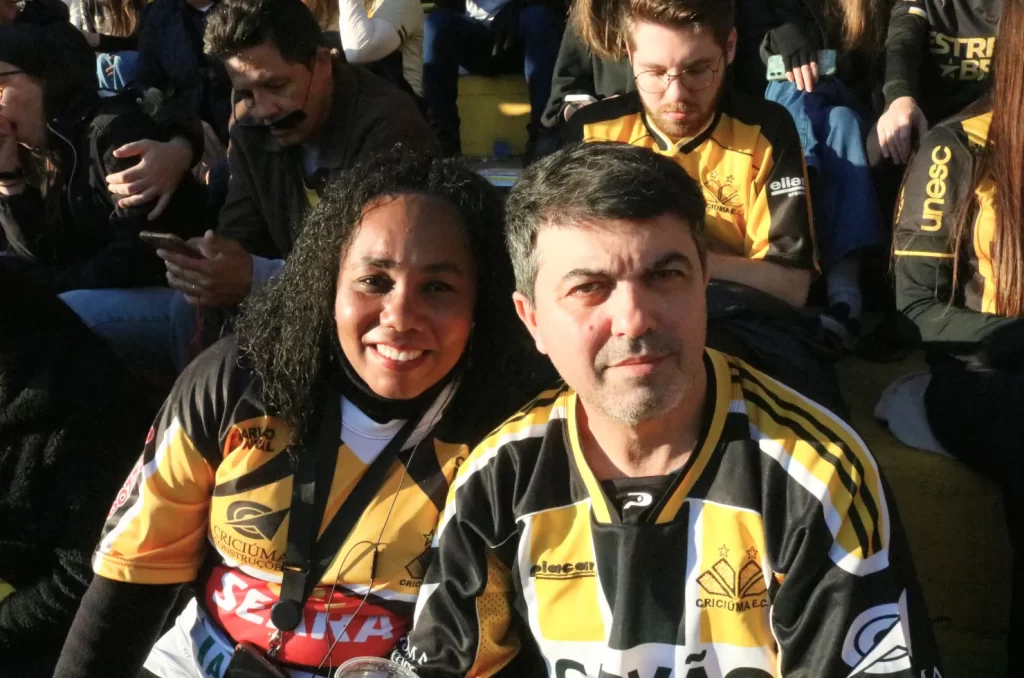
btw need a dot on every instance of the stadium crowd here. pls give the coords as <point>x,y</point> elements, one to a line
<point>285,382</point>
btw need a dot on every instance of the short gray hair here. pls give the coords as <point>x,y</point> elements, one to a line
<point>599,181</point>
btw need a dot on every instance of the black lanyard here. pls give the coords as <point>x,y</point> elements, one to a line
<point>303,566</point>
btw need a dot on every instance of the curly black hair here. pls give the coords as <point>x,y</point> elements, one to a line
<point>287,331</point>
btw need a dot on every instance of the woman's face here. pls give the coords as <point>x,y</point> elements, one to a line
<point>406,293</point>
<point>21,106</point>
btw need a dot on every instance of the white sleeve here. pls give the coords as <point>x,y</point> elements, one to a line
<point>365,39</point>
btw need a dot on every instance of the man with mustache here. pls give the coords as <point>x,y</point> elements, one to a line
<point>746,155</point>
<point>304,114</point>
<point>669,511</point>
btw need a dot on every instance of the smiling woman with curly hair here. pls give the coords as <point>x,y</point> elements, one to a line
<point>390,329</point>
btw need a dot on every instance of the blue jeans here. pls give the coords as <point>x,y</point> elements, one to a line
<point>151,328</point>
<point>846,213</point>
<point>451,40</point>
<point>122,67</point>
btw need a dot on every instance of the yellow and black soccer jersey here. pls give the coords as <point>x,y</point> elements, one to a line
<point>776,552</point>
<point>749,162</point>
<point>209,502</point>
<point>938,184</point>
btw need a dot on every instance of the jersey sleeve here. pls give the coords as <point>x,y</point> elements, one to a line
<point>779,222</point>
<point>936,184</point>
<point>845,600</point>
<point>156,530</point>
<point>905,49</point>
<point>464,623</point>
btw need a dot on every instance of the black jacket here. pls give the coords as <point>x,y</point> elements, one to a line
<point>86,241</point>
<point>171,59</point>
<point>940,52</point>
<point>266,198</point>
<point>580,71</point>
<point>72,422</point>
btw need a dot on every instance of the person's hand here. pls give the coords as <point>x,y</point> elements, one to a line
<point>222,278</point>
<point>799,54</point>
<point>505,25</point>
<point>896,129</point>
<point>9,159</point>
<point>161,167</point>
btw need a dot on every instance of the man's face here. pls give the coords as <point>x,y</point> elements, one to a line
<point>680,74</point>
<point>620,309</point>
<point>272,87</point>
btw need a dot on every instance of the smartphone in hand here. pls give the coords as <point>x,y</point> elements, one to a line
<point>171,243</point>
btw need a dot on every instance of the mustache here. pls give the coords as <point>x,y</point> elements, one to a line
<point>287,121</point>
<point>619,349</point>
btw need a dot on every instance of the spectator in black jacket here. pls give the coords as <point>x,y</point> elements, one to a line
<point>58,140</point>
<point>171,59</point>
<point>937,61</point>
<point>71,422</point>
<point>832,114</point>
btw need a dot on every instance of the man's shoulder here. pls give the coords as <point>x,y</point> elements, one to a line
<point>770,119</point>
<point>771,405</point>
<point>533,422</point>
<point>608,110</point>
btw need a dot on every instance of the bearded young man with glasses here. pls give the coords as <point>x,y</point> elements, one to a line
<point>746,155</point>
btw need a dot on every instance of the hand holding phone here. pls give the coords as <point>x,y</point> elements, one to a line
<point>171,243</point>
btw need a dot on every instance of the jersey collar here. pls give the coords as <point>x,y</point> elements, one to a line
<point>684,145</point>
<point>719,398</point>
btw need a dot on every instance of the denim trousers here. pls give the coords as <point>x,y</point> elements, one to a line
<point>452,40</point>
<point>151,328</point>
<point>847,216</point>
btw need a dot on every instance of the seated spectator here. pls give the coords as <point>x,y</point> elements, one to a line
<point>937,61</point>
<point>51,15</point>
<point>830,114</point>
<point>593,57</point>
<point>310,116</point>
<point>668,511</point>
<point>171,60</point>
<point>960,279</point>
<point>383,34</point>
<point>71,422</point>
<point>488,38</point>
<point>57,143</point>
<point>388,331</point>
<point>112,28</point>
<point>746,154</point>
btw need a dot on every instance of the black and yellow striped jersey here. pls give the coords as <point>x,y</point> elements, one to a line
<point>209,501</point>
<point>749,162</point>
<point>775,552</point>
<point>939,183</point>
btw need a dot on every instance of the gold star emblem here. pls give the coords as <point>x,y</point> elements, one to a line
<point>428,538</point>
<point>713,174</point>
<point>752,553</point>
<point>729,179</point>
<point>723,552</point>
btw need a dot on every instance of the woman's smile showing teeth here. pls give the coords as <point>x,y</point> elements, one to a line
<point>397,354</point>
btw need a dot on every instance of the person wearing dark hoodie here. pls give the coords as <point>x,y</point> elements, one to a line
<point>72,420</point>
<point>832,114</point>
<point>57,146</point>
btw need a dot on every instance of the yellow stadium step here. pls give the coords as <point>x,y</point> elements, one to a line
<point>493,109</point>
<point>955,524</point>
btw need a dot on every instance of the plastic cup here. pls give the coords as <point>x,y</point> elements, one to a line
<point>372,667</point>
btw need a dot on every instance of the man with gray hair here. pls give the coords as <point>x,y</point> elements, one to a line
<point>669,511</point>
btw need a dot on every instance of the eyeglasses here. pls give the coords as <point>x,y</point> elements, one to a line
<point>693,79</point>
